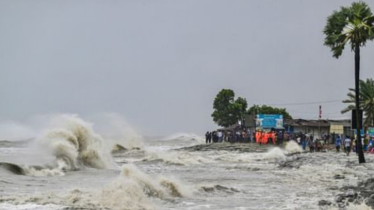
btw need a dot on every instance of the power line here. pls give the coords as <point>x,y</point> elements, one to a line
<point>306,103</point>
<point>323,113</point>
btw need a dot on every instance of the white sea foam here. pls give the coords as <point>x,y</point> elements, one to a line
<point>124,193</point>
<point>58,170</point>
<point>67,143</point>
<point>275,154</point>
<point>292,147</point>
<point>232,156</point>
<point>220,175</point>
<point>176,157</point>
<point>29,206</point>
<point>157,186</point>
<point>361,206</point>
<point>121,194</point>
<point>117,131</point>
<point>73,140</point>
<point>279,154</point>
<point>131,190</point>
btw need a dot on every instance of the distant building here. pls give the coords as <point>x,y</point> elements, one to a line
<point>318,128</point>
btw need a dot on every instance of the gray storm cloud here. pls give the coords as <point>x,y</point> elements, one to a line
<point>159,64</point>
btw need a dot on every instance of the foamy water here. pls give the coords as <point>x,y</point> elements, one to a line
<point>70,165</point>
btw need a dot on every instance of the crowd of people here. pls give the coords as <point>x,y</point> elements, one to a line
<point>304,140</point>
<point>349,144</point>
<point>270,137</point>
<point>228,136</point>
<point>279,137</point>
<point>245,136</point>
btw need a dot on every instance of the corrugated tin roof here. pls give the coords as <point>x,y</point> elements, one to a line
<point>316,123</point>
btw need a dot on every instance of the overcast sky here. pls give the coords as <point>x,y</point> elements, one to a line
<point>159,64</point>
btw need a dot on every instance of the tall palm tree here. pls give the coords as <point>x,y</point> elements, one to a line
<point>366,101</point>
<point>352,24</point>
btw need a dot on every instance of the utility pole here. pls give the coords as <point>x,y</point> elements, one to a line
<point>319,119</point>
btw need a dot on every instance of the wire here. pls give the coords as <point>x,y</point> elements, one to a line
<point>307,103</point>
<point>316,113</point>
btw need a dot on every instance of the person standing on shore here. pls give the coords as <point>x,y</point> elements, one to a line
<point>311,144</point>
<point>370,146</point>
<point>207,135</point>
<point>273,137</point>
<point>269,138</point>
<point>214,137</point>
<point>280,138</point>
<point>347,144</point>
<point>219,136</point>
<point>338,142</point>
<point>264,138</point>
<point>366,142</point>
<point>237,135</point>
<point>354,145</point>
<point>303,141</point>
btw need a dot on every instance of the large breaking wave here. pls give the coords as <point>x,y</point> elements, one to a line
<point>74,141</point>
<point>70,143</point>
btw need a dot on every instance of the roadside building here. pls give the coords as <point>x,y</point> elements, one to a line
<point>318,128</point>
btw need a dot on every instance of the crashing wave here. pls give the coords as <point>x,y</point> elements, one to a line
<point>131,190</point>
<point>117,131</point>
<point>161,187</point>
<point>68,144</point>
<point>293,148</point>
<point>57,169</point>
<point>13,168</point>
<point>119,195</point>
<point>74,141</point>
<point>275,154</point>
<point>279,154</point>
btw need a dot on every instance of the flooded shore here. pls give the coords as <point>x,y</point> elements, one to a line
<point>178,173</point>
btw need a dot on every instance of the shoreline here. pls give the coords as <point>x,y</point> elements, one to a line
<point>226,146</point>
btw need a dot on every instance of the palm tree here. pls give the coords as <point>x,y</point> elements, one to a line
<point>352,24</point>
<point>366,101</point>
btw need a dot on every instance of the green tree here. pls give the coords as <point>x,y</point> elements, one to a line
<point>366,101</point>
<point>352,25</point>
<point>240,107</point>
<point>264,109</point>
<point>227,110</point>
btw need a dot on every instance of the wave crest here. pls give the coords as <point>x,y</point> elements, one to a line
<point>185,137</point>
<point>161,187</point>
<point>75,142</point>
<point>292,147</point>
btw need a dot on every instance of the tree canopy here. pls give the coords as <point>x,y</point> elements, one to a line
<point>264,109</point>
<point>354,24</point>
<point>227,110</point>
<point>366,100</point>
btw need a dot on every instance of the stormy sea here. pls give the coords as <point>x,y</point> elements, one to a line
<point>71,165</point>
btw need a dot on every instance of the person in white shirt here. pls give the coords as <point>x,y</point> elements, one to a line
<point>219,136</point>
<point>347,145</point>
